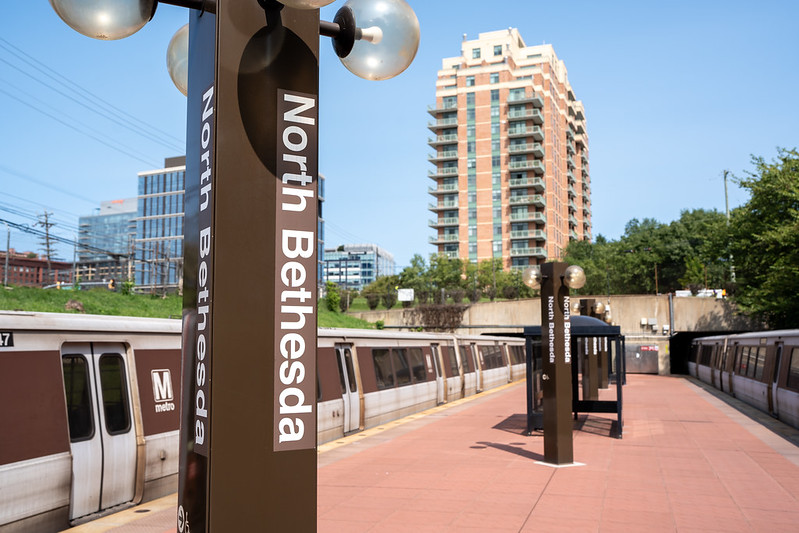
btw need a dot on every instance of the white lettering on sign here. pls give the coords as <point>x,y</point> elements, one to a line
<point>202,353</point>
<point>551,327</point>
<point>567,331</point>
<point>296,248</point>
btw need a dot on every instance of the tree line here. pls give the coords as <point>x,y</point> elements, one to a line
<point>753,256</point>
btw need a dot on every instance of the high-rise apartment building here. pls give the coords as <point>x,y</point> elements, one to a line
<point>511,154</point>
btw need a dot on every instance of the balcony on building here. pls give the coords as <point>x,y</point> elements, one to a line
<point>535,166</point>
<point>533,199</point>
<point>572,192</point>
<point>442,172</point>
<point>579,128</point>
<point>444,239</point>
<point>573,235</point>
<point>436,109</point>
<point>528,252</point>
<point>443,139</point>
<point>443,222</point>
<point>536,234</point>
<point>537,149</point>
<point>445,155</point>
<point>536,132</point>
<point>443,188</point>
<point>526,98</point>
<point>526,114</point>
<point>443,123</point>
<point>440,206</point>
<point>583,159</point>
<point>572,221</point>
<point>529,216</point>
<point>570,175</point>
<point>536,183</point>
<point>450,255</point>
<point>580,140</point>
<point>570,161</point>
<point>570,147</point>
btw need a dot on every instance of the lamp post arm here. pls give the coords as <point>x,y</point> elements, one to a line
<point>202,5</point>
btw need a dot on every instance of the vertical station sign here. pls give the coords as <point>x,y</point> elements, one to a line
<point>198,276</point>
<point>556,365</point>
<point>295,280</point>
<point>248,418</point>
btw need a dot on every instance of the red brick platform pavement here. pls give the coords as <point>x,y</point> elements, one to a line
<point>687,462</point>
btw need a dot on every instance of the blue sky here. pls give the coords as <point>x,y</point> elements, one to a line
<point>674,93</point>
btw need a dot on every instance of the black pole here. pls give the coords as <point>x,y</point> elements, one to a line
<point>556,359</point>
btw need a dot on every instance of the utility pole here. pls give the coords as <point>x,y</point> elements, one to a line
<point>727,211</point>
<point>47,247</point>
<point>8,251</point>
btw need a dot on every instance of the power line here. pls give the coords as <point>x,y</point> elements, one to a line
<point>72,127</point>
<point>93,100</point>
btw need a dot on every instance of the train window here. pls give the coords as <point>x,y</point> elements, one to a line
<point>744,361</point>
<point>383,372</point>
<point>341,374</point>
<point>350,370</point>
<point>401,368</point>
<point>417,364</point>
<point>777,361</point>
<point>492,356</point>
<point>793,370</point>
<point>79,403</point>
<point>466,358</point>
<point>453,361</point>
<point>115,393</point>
<point>760,362</point>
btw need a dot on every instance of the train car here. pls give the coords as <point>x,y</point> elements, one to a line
<point>368,377</point>
<point>760,369</point>
<point>89,405</point>
<point>89,411</point>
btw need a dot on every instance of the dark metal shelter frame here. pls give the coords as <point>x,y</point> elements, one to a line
<point>581,327</point>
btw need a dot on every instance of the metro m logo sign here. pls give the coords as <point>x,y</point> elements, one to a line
<point>162,385</point>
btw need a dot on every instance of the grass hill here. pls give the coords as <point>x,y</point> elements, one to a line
<point>105,302</point>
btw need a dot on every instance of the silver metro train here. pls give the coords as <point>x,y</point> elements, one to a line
<point>89,405</point>
<point>760,369</point>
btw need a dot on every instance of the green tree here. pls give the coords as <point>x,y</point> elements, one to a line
<point>765,241</point>
<point>332,296</point>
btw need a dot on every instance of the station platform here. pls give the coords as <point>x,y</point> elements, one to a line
<point>689,461</point>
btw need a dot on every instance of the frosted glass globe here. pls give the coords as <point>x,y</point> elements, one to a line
<point>574,277</point>
<point>177,59</point>
<point>105,19</point>
<point>306,4</point>
<point>392,32</point>
<point>532,276</point>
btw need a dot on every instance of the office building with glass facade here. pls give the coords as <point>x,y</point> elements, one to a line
<point>354,266</point>
<point>106,242</point>
<point>159,227</point>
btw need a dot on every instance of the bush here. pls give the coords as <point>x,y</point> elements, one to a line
<point>332,296</point>
<point>457,295</point>
<point>390,299</point>
<point>474,296</point>
<point>372,300</point>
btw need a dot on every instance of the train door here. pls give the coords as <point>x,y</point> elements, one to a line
<point>478,366</point>
<point>773,397</point>
<point>349,388</point>
<point>102,435</point>
<point>441,386</point>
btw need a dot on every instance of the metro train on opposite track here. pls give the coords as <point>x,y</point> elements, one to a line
<point>90,405</point>
<point>761,369</point>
